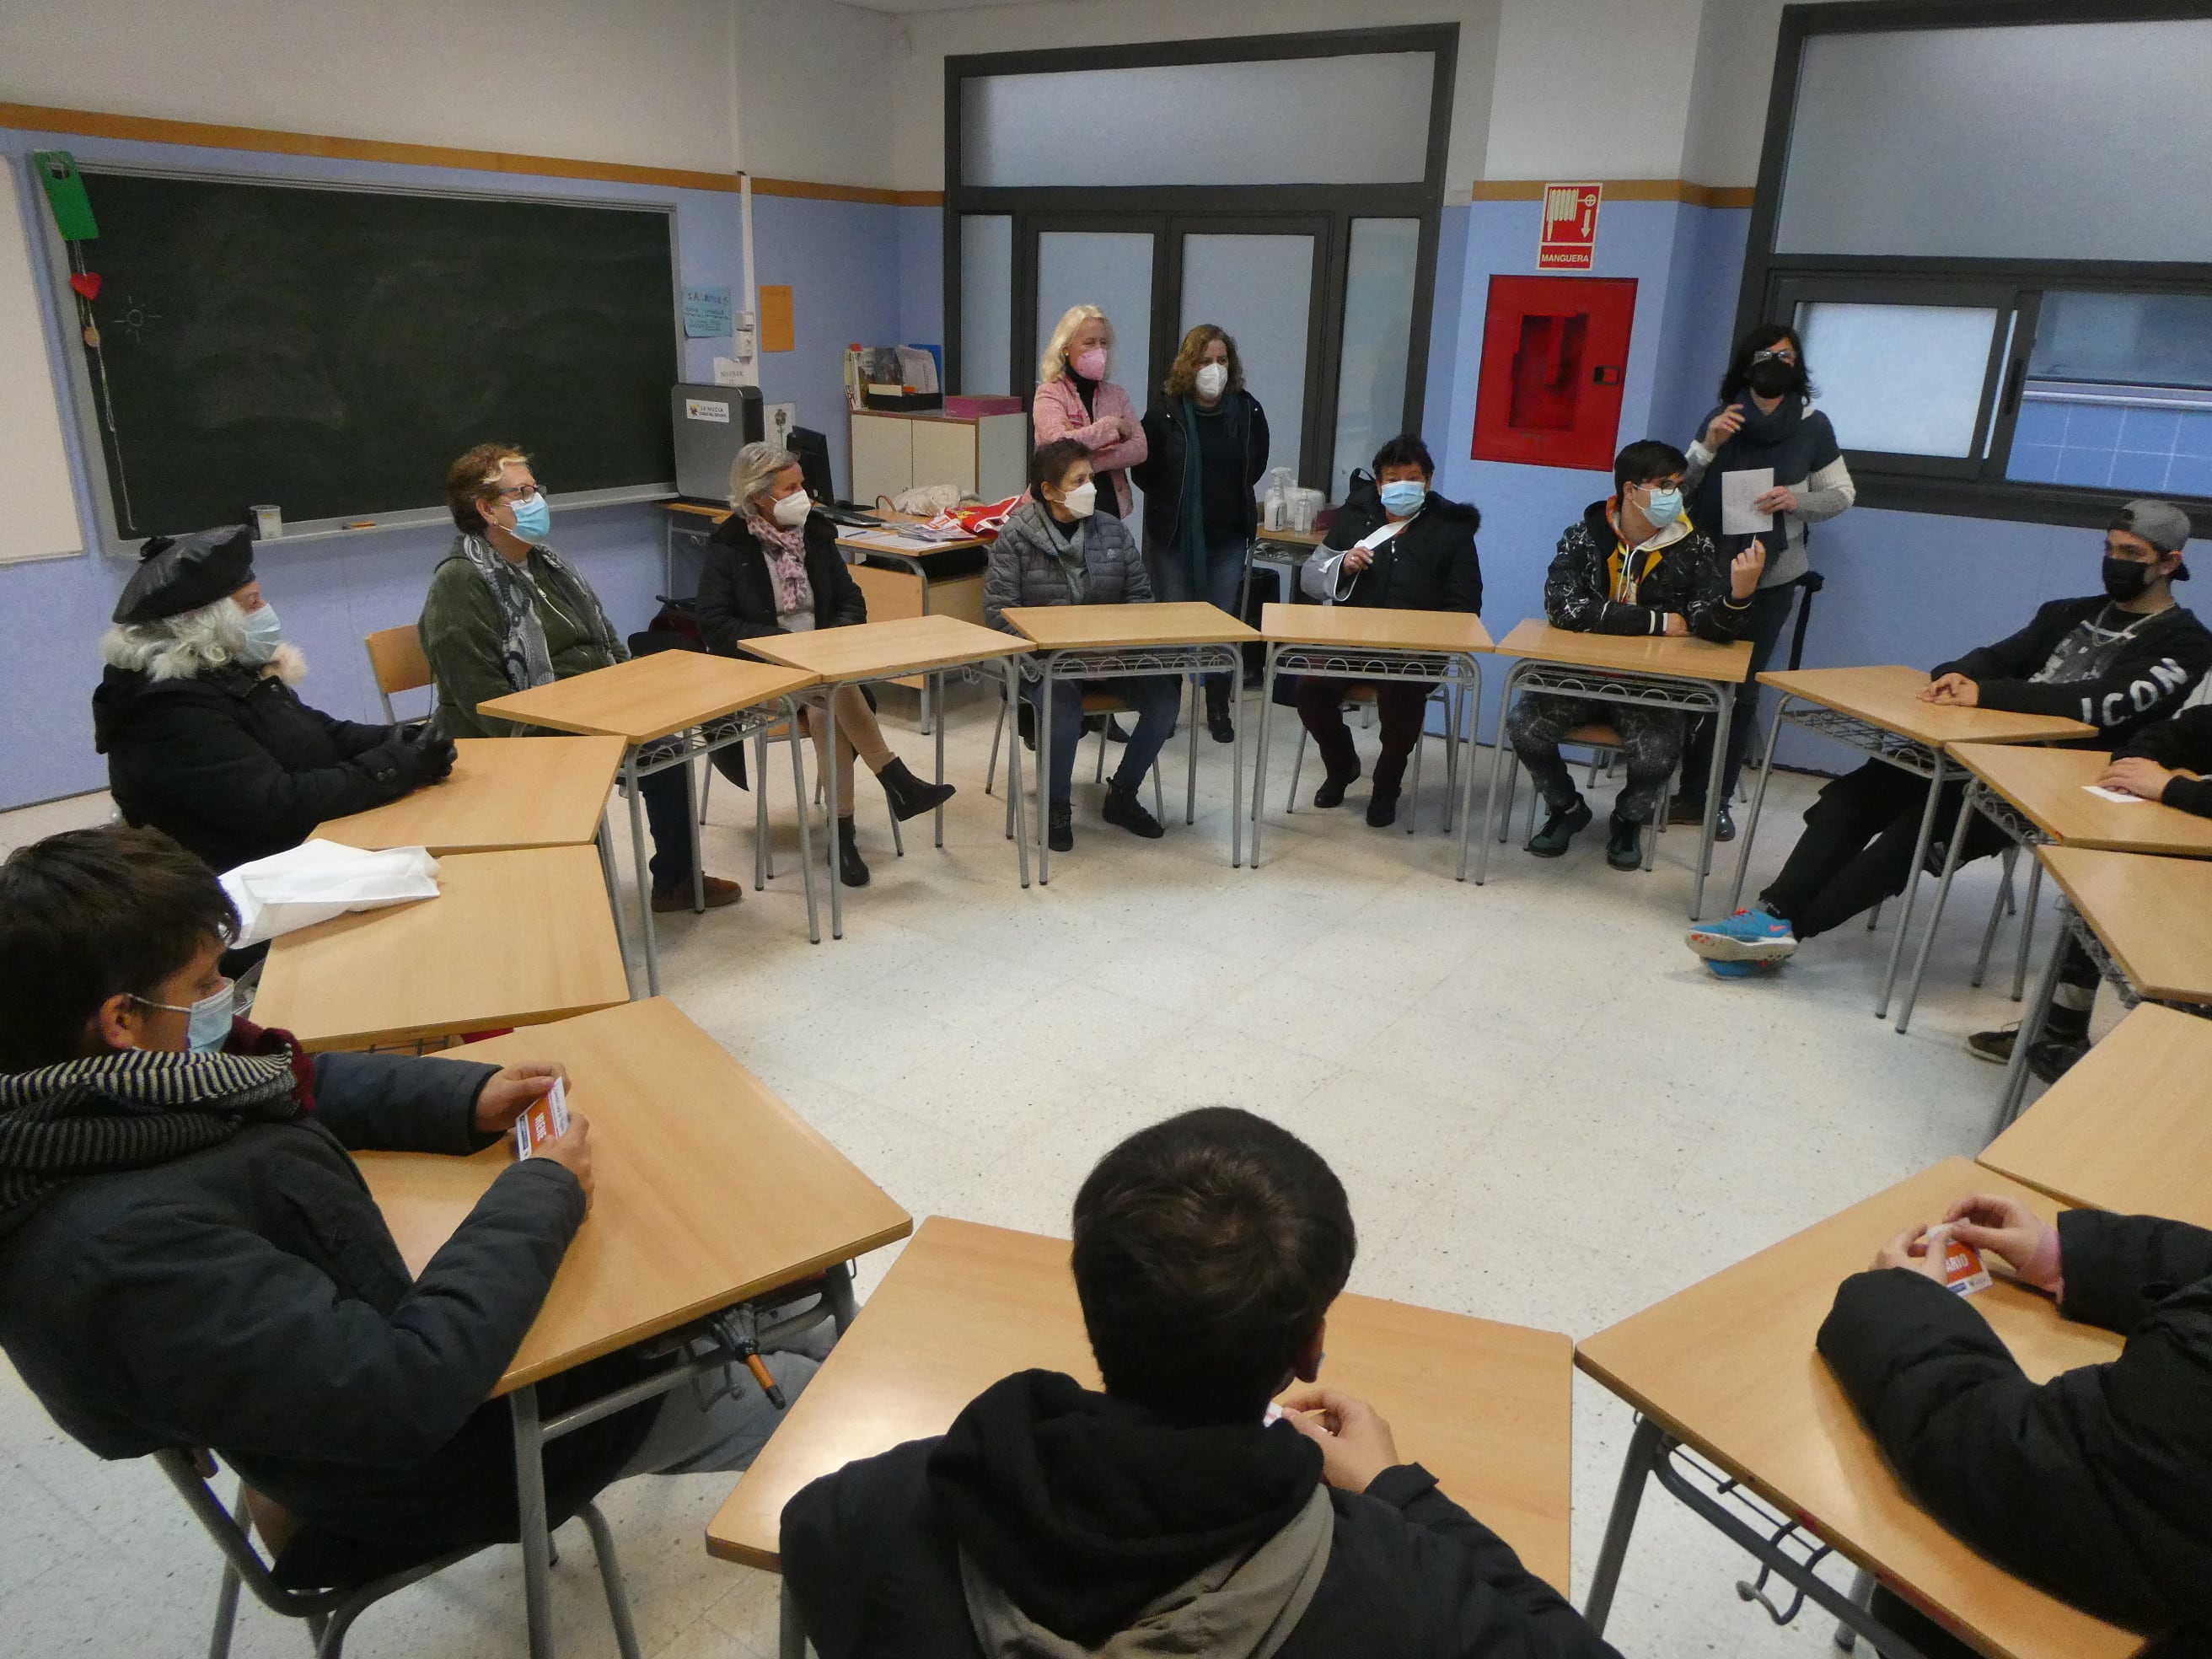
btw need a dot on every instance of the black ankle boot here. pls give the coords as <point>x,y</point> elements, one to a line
<point>852,869</point>
<point>909,795</point>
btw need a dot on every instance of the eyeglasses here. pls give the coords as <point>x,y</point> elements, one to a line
<point>1775,354</point>
<point>519,494</point>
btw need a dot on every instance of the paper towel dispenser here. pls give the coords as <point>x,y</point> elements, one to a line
<point>712,424</point>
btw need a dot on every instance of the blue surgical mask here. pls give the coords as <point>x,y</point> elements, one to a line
<point>1664,508</point>
<point>532,518</point>
<point>210,1018</point>
<point>263,633</point>
<point>1403,495</point>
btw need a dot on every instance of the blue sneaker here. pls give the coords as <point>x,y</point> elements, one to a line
<point>1740,969</point>
<point>1749,936</point>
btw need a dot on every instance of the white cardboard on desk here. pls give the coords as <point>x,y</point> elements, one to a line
<point>1739,489</point>
<point>303,885</point>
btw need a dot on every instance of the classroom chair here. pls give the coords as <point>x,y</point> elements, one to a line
<point>1363,696</point>
<point>1603,739</point>
<point>763,854</point>
<point>330,1612</point>
<point>397,663</point>
<point>2003,905</point>
<point>1104,704</point>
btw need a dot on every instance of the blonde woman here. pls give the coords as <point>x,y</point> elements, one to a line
<point>1074,399</point>
<point>773,566</point>
<point>1206,443</point>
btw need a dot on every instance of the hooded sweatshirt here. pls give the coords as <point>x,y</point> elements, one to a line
<point>1051,1520</point>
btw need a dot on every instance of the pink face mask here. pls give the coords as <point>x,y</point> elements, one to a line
<point>1091,364</point>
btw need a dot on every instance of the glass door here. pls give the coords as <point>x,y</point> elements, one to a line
<point>1262,286</point>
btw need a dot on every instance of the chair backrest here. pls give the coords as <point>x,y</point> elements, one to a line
<point>395,658</point>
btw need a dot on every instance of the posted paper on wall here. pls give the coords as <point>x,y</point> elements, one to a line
<point>1739,489</point>
<point>706,313</point>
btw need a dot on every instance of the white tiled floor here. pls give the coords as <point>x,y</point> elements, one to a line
<point>1544,1109</point>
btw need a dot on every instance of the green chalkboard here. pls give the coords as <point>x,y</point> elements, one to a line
<point>332,351</point>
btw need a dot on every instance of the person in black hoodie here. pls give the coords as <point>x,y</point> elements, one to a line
<point>2093,1486</point>
<point>189,1257</point>
<point>773,566</point>
<point>1165,1515</point>
<point>1634,563</point>
<point>205,737</point>
<point>1397,544</point>
<point>2117,660</point>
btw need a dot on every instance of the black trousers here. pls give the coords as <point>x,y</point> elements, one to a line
<point>1856,848</point>
<point>1401,707</point>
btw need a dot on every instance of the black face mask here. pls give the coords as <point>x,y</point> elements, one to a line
<point>2126,579</point>
<point>1772,378</point>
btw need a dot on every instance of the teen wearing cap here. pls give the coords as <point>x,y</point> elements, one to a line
<point>2117,660</point>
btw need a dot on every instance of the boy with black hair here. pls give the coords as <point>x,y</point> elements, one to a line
<point>189,1257</point>
<point>1632,564</point>
<point>1164,1516</point>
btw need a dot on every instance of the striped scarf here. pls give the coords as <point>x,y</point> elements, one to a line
<point>129,1110</point>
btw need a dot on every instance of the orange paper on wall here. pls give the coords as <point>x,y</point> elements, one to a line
<point>776,332</point>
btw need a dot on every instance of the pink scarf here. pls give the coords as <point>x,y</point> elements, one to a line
<point>786,560</point>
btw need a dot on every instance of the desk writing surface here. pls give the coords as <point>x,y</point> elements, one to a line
<point>858,541</point>
<point>2048,784</point>
<point>1484,1406</point>
<point>868,651</point>
<point>699,509</point>
<point>1729,1366</point>
<point>1889,697</point>
<point>1291,538</point>
<point>650,697</point>
<point>513,938</point>
<point>1354,625</point>
<point>2153,915</point>
<point>502,794</point>
<point>2126,1128</point>
<point>708,1190</point>
<point>1629,654</point>
<point>1108,627</point>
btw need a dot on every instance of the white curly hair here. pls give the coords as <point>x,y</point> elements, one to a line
<point>191,643</point>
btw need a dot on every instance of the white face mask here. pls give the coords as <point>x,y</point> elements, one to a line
<point>1082,501</point>
<point>791,510</point>
<point>1212,379</point>
<point>263,633</point>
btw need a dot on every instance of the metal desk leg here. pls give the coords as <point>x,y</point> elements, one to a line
<point>805,823</point>
<point>1190,784</point>
<point>638,859</point>
<point>668,555</point>
<point>1260,761</point>
<point>1496,760</point>
<point>936,701</point>
<point>2027,923</point>
<point>1645,1448</point>
<point>829,766</point>
<point>1044,772</point>
<point>1758,804</point>
<point>760,811</point>
<point>692,820</point>
<point>1936,910</point>
<point>1018,829</point>
<point>1911,887</point>
<point>530,1502</point>
<point>1714,801</point>
<point>790,1627</point>
<point>1473,718</point>
<point>2031,1032</point>
<point>1236,761</point>
<point>605,842</point>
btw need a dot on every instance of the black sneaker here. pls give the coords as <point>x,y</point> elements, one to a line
<point>1996,1046</point>
<point>1381,811</point>
<point>1059,828</point>
<point>1560,830</point>
<point>2053,1060</point>
<point>1114,731</point>
<point>1025,723</point>
<point>1129,813</point>
<point>1624,844</point>
<point>1692,813</point>
<point>1218,723</point>
<point>1331,793</point>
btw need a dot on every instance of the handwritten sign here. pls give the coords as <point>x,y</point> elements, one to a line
<point>706,313</point>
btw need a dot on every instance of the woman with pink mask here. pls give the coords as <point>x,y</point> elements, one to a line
<point>1074,399</point>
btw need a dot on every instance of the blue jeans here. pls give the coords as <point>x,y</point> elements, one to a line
<point>1225,581</point>
<point>668,813</point>
<point>1155,697</point>
<point>1769,615</point>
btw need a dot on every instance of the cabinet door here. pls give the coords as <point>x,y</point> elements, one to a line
<point>945,453</point>
<point>883,456</point>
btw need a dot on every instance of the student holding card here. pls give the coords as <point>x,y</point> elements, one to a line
<point>1781,451</point>
<point>2092,1486</point>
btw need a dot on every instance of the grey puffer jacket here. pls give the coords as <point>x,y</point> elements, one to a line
<point>1025,570</point>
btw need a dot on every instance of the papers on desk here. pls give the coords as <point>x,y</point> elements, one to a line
<point>915,540</point>
<point>2117,797</point>
<point>1739,489</point>
<point>290,890</point>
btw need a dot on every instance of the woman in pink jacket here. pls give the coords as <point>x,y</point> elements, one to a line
<point>1074,399</point>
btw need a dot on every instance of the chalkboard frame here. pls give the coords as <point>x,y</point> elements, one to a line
<point>84,409</point>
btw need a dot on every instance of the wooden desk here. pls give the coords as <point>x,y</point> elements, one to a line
<point>1484,1406</point>
<point>923,646</point>
<point>2126,1128</point>
<point>513,938</point>
<point>1728,1367</point>
<point>707,1192</point>
<point>1372,644</point>
<point>917,581</point>
<point>1878,711</point>
<point>2153,915</point>
<point>1694,675</point>
<point>549,791</point>
<point>1123,642</point>
<point>2050,787</point>
<point>674,696</point>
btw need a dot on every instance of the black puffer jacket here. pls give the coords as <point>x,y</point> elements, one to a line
<point>233,765</point>
<point>2097,1485</point>
<point>1430,565</point>
<point>737,591</point>
<point>249,1297</point>
<point>1083,1508</point>
<point>1686,577</point>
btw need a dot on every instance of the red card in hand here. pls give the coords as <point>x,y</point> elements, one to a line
<point>547,1119</point>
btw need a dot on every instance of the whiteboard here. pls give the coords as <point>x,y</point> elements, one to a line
<point>39,521</point>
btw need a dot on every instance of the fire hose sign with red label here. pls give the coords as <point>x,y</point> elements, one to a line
<point>1569,236</point>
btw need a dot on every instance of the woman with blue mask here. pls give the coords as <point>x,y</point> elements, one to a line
<point>204,735</point>
<point>1397,544</point>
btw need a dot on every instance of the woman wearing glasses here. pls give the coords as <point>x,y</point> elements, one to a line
<point>505,612</point>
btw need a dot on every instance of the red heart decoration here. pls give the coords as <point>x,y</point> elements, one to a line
<point>85,283</point>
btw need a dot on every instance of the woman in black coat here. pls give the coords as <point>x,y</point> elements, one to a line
<point>773,566</point>
<point>205,737</point>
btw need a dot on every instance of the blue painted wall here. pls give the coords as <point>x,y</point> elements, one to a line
<point>841,258</point>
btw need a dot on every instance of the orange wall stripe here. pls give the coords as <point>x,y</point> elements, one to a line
<point>1622,189</point>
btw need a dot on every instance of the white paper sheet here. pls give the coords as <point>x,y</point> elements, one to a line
<point>2117,797</point>
<point>1738,491</point>
<point>312,883</point>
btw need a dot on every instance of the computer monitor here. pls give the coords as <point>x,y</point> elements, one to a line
<point>813,452</point>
